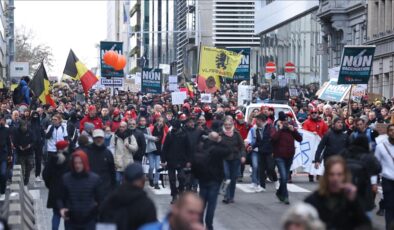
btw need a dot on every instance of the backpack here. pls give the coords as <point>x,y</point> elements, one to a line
<point>17,95</point>
<point>359,173</point>
<point>201,159</point>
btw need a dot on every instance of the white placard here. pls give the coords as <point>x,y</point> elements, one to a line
<point>173,83</point>
<point>165,68</point>
<point>206,98</point>
<point>178,98</point>
<point>244,94</point>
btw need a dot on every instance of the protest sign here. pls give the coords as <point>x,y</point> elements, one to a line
<point>334,92</point>
<point>178,98</point>
<point>151,80</point>
<point>173,83</point>
<point>206,98</point>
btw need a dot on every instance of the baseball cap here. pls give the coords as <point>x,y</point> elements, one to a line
<point>98,133</point>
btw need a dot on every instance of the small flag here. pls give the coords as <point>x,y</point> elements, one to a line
<point>40,86</point>
<point>76,70</point>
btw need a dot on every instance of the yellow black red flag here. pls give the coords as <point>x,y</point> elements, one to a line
<point>40,86</point>
<point>76,70</point>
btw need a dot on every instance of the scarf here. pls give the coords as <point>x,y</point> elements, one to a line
<point>229,133</point>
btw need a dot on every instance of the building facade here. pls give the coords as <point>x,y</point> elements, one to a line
<point>293,36</point>
<point>380,32</point>
<point>343,23</point>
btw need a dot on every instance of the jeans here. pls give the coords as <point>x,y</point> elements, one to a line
<point>56,219</point>
<point>3,176</point>
<point>38,159</point>
<point>154,164</point>
<point>283,165</point>
<point>119,177</point>
<point>26,162</point>
<point>267,168</point>
<point>209,192</point>
<point>388,194</point>
<point>255,158</point>
<point>231,170</point>
<point>172,177</point>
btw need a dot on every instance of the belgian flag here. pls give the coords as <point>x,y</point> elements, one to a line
<point>40,86</point>
<point>76,70</point>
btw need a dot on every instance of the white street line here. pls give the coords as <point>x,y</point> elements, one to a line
<point>245,188</point>
<point>296,188</point>
<point>161,191</point>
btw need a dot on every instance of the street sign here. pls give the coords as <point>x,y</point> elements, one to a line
<point>19,69</point>
<point>356,64</point>
<point>270,67</point>
<point>289,67</point>
<point>106,70</point>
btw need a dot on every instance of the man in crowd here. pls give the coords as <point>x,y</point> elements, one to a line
<point>129,207</point>
<point>362,129</point>
<point>5,155</point>
<point>101,162</point>
<point>385,155</point>
<point>140,138</point>
<point>92,118</point>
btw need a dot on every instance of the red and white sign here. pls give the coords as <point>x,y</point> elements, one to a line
<point>289,67</point>
<point>270,67</point>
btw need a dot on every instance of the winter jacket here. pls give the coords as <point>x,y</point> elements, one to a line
<point>102,163</point>
<point>24,139</point>
<point>123,155</point>
<point>5,143</point>
<point>25,92</point>
<point>54,134</point>
<point>338,213</point>
<point>175,149</point>
<point>149,140</point>
<point>235,144</point>
<point>372,167</point>
<point>98,124</point>
<point>318,126</point>
<point>51,174</point>
<point>128,207</point>
<point>283,142</point>
<point>80,194</point>
<point>333,142</point>
<point>193,136</point>
<point>243,129</point>
<point>216,153</point>
<point>140,138</point>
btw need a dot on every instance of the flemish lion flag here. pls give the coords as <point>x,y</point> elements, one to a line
<point>40,86</point>
<point>76,70</point>
<point>216,63</point>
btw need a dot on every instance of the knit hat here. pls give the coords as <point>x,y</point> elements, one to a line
<point>133,172</point>
<point>60,145</point>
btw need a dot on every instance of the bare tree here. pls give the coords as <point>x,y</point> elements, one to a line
<point>27,51</point>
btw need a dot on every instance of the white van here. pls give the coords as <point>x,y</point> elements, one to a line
<point>277,107</point>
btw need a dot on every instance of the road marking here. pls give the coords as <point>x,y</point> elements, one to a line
<point>296,188</point>
<point>245,188</point>
<point>161,191</point>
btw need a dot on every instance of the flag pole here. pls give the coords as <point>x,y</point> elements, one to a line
<point>198,63</point>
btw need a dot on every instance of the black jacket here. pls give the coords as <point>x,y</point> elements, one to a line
<point>333,142</point>
<point>129,207</point>
<point>38,131</point>
<point>101,162</point>
<point>140,138</point>
<point>212,169</point>
<point>23,139</point>
<point>338,213</point>
<point>175,149</point>
<point>371,166</point>
<point>193,136</point>
<point>235,144</point>
<point>51,175</point>
<point>80,194</point>
<point>5,143</point>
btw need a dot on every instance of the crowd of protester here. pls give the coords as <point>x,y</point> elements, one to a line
<point>92,147</point>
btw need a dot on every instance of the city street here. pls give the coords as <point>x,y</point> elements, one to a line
<point>252,210</point>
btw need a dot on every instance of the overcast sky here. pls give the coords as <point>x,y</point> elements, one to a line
<point>62,25</point>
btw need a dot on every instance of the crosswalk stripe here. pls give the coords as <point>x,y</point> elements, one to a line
<point>296,188</point>
<point>245,188</point>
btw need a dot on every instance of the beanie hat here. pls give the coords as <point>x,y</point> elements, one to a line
<point>60,145</point>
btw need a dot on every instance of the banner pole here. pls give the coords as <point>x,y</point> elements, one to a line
<point>349,110</point>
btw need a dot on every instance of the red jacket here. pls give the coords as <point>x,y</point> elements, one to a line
<point>283,143</point>
<point>96,121</point>
<point>318,126</point>
<point>243,129</point>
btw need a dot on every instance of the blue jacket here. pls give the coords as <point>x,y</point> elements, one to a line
<point>164,225</point>
<point>25,92</point>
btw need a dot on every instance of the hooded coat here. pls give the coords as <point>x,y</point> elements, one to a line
<point>129,207</point>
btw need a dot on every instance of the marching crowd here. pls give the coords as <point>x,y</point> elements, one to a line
<point>92,148</point>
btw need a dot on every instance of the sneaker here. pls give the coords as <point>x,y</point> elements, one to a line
<point>259,189</point>
<point>151,183</point>
<point>226,201</point>
<point>277,184</point>
<point>252,185</point>
<point>286,201</point>
<point>2,197</point>
<point>280,198</point>
<point>157,186</point>
<point>38,179</point>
